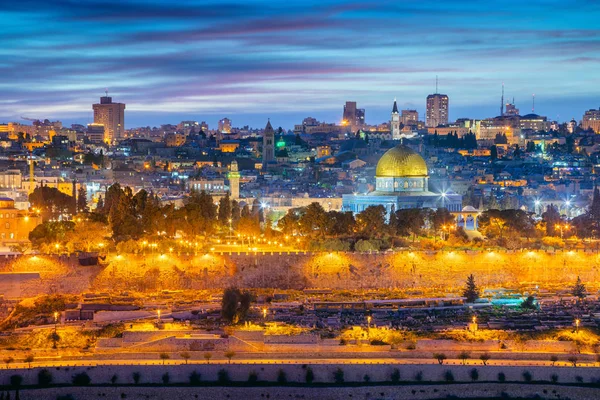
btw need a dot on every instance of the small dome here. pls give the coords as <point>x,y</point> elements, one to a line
<point>469,209</point>
<point>401,161</point>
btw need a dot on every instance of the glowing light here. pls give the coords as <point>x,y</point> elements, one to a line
<point>264,312</point>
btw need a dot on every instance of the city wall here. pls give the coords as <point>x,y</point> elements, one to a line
<point>409,271</point>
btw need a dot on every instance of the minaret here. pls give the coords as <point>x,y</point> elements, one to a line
<point>502,102</point>
<point>234,180</point>
<point>268,151</point>
<point>395,122</point>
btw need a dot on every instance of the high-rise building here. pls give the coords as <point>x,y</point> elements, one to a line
<point>395,122</point>
<point>268,151</point>
<point>437,110</point>
<point>112,116</point>
<point>409,117</point>
<point>224,125</point>
<point>353,117</point>
<point>511,110</point>
<point>591,120</point>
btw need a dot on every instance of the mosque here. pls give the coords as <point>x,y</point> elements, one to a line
<point>402,181</point>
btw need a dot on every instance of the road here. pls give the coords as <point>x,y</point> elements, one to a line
<point>308,361</point>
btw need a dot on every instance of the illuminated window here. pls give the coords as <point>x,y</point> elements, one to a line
<point>12,235</point>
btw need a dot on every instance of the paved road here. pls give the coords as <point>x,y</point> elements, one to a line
<point>246,360</point>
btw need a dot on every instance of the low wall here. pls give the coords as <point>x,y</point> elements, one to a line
<point>291,339</point>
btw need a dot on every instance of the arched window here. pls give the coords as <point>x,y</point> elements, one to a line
<point>405,184</point>
<point>12,235</point>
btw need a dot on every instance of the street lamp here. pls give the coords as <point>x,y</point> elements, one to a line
<point>577,325</point>
<point>158,315</point>
<point>264,313</point>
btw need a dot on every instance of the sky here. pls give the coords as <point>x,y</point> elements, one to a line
<point>173,60</point>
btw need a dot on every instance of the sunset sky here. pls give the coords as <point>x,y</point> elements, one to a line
<point>249,60</point>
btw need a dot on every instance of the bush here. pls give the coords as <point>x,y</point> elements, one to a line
<point>474,374</point>
<point>166,378</point>
<point>485,357</point>
<point>501,377</point>
<point>464,356</point>
<point>252,377</point>
<point>367,378</point>
<point>310,375</point>
<point>554,359</point>
<point>223,376</point>
<point>573,360</point>
<point>44,377</point>
<point>527,377</point>
<point>448,376</point>
<point>554,378</point>
<point>281,376</point>
<point>195,378</point>
<point>114,379</point>
<point>81,379</point>
<point>338,376</point>
<point>136,377</point>
<point>395,375</point>
<point>419,376</point>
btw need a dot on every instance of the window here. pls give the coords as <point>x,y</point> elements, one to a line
<point>7,225</point>
<point>12,235</point>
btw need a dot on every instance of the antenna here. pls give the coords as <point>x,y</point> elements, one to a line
<point>502,101</point>
<point>436,84</point>
<point>533,104</point>
<point>106,92</point>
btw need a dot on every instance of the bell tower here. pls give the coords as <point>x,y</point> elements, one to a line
<point>234,180</point>
<point>395,122</point>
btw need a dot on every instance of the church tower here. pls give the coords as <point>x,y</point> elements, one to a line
<point>234,180</point>
<point>395,122</point>
<point>268,151</point>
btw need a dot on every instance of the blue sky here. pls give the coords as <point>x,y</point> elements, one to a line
<point>249,60</point>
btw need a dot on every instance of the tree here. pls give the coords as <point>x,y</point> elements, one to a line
<point>281,376</point>
<point>395,375</point>
<point>553,359</point>
<point>44,377</point>
<point>222,376</point>
<point>551,217</point>
<point>29,359</point>
<point>471,291</point>
<point>207,357</point>
<point>485,357</point>
<point>164,357</point>
<point>474,374</point>
<point>224,214</point>
<point>440,357</point>
<point>338,376</point>
<point>573,360</point>
<point>464,356</point>
<point>136,377</point>
<point>493,153</point>
<point>166,378</point>
<point>81,379</point>
<point>8,360</point>
<point>528,303</point>
<point>371,221</point>
<point>229,354</point>
<point>579,290</point>
<point>235,304</point>
<point>185,355</point>
<point>195,378</point>
<point>82,206</point>
<point>310,375</point>
<point>114,379</point>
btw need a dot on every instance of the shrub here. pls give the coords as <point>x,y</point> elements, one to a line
<point>207,357</point>
<point>229,354</point>
<point>195,378</point>
<point>185,355</point>
<point>573,360</point>
<point>81,379</point>
<point>281,376</point>
<point>419,376</point>
<point>164,357</point>
<point>166,378</point>
<point>554,378</point>
<point>338,376</point>
<point>44,377</point>
<point>474,374</point>
<point>252,377</point>
<point>367,378</point>
<point>136,377</point>
<point>554,359</point>
<point>501,377</point>
<point>223,376</point>
<point>114,379</point>
<point>343,342</point>
<point>527,377</point>
<point>579,379</point>
<point>448,376</point>
<point>395,375</point>
<point>310,375</point>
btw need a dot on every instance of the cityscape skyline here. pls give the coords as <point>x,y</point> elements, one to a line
<point>252,61</point>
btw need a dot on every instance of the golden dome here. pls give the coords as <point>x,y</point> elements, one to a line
<point>401,161</point>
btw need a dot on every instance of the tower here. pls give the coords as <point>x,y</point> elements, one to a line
<point>502,101</point>
<point>268,151</point>
<point>234,180</point>
<point>112,117</point>
<point>395,122</point>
